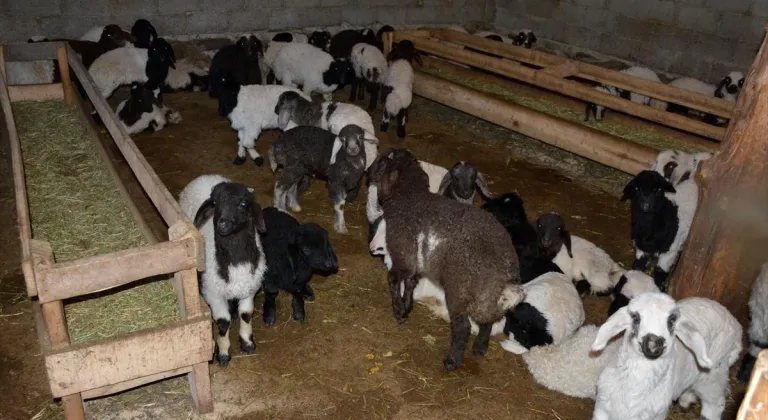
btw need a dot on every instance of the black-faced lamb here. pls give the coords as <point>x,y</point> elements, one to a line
<point>305,150</point>
<point>661,219</point>
<point>677,166</point>
<point>311,67</point>
<point>460,247</point>
<point>758,324</point>
<point>230,220</point>
<point>142,31</point>
<point>631,284</point>
<point>112,36</point>
<point>290,37</point>
<point>461,182</point>
<point>321,39</point>
<point>238,64</point>
<point>370,67</point>
<point>294,252</point>
<point>142,111</point>
<point>525,38</point>
<point>670,351</point>
<point>251,109</point>
<point>586,264</point>
<point>397,92</point>
<point>342,42</point>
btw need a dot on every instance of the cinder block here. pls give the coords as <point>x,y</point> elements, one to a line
<point>604,20</point>
<point>760,8</point>
<point>223,6</point>
<point>744,54</point>
<point>691,65</point>
<point>250,20</point>
<point>31,8</point>
<point>616,45</point>
<point>582,36</point>
<point>661,11</point>
<point>272,4</point>
<point>74,28</point>
<point>634,8</point>
<point>570,13</point>
<point>714,47</point>
<point>179,6</point>
<point>736,6</point>
<point>741,27</point>
<point>698,18</point>
<point>720,70</point>
<point>80,8</point>
<point>170,24</point>
<point>672,38</point>
<point>631,28</point>
<point>299,18</point>
<point>359,15</point>
<point>144,8</point>
<point>541,8</point>
<point>206,23</point>
<point>416,15</point>
<point>596,4</point>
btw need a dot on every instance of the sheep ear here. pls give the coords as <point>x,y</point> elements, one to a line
<point>700,157</point>
<point>258,218</point>
<point>337,143</point>
<point>283,118</point>
<point>373,140</point>
<point>668,187</point>
<point>204,213</point>
<point>629,191</point>
<point>617,323</point>
<point>445,183</point>
<point>567,242</point>
<point>691,337</point>
<point>480,182</point>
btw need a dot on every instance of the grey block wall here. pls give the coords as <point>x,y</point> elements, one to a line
<point>20,19</point>
<point>698,38</point>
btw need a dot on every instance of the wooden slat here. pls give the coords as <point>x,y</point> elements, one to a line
<point>200,388</point>
<point>133,383</point>
<point>162,199</point>
<point>98,364</point>
<point>107,271</point>
<point>31,51</point>
<point>66,82</point>
<point>566,87</point>
<point>3,75</point>
<point>44,92</point>
<point>563,70</point>
<point>716,106</point>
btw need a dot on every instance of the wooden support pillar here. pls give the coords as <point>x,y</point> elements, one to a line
<point>66,81</point>
<point>727,242</point>
<point>2,64</point>
<point>388,37</point>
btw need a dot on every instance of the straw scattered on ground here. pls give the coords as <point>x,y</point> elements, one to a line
<point>76,207</point>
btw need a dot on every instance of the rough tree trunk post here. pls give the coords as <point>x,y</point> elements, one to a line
<point>729,237</point>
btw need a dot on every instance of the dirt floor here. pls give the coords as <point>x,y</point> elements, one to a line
<point>349,359</point>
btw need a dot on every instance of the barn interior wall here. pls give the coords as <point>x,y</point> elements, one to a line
<point>698,38</point>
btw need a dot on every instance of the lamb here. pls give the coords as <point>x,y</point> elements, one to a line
<point>461,248</point>
<point>278,41</point>
<point>652,369</point>
<point>758,323</point>
<point>730,86</point>
<point>305,150</point>
<point>342,43</point>
<point>598,110</point>
<point>370,66</point>
<point>591,268</point>
<point>111,37</point>
<point>185,76</point>
<point>238,64</point>
<point>290,37</point>
<point>251,109</point>
<point>677,166</point>
<point>636,71</point>
<point>321,39</point>
<point>661,219</point>
<point>397,94</point>
<point>460,183</point>
<point>129,64</point>
<point>142,111</point>
<point>234,256</point>
<point>525,38</point>
<point>631,284</point>
<point>311,67</point>
<point>697,86</point>
<point>143,32</point>
<point>293,110</point>
<point>294,252</point>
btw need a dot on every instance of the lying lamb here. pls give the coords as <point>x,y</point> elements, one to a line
<point>142,111</point>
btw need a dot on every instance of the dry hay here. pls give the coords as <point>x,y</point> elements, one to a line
<point>75,205</point>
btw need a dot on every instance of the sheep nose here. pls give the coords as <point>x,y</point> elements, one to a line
<point>652,346</point>
<point>732,89</point>
<point>645,207</point>
<point>546,241</point>
<point>224,226</point>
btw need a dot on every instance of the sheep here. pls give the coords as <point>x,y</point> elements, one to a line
<point>251,109</point>
<point>598,110</point>
<point>185,76</point>
<point>631,284</point>
<point>677,166</point>
<point>370,67</point>
<point>730,86</point>
<point>758,323</point>
<point>294,252</point>
<point>293,110</point>
<point>670,351</point>
<point>397,95</point>
<point>525,38</point>
<point>636,71</point>
<point>238,64</point>
<point>290,37</point>
<point>461,181</point>
<point>321,39</point>
<point>234,256</point>
<point>312,68</point>
<point>32,72</point>
<point>380,35</point>
<point>142,111</point>
<point>342,43</point>
<point>404,50</point>
<point>494,36</point>
<point>696,86</point>
<point>487,35</point>
<point>304,150</point>
<point>143,32</point>
<point>591,268</point>
<point>112,37</point>
<point>661,219</point>
<point>129,64</point>
<point>460,247</point>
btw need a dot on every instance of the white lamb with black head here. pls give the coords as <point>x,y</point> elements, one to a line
<point>696,86</point>
<point>670,351</point>
<point>730,86</point>
<point>525,38</point>
<point>677,166</point>
<point>185,76</point>
<point>758,323</point>
<point>143,112</point>
<point>370,67</point>
<point>311,67</point>
<point>631,284</point>
<point>230,220</point>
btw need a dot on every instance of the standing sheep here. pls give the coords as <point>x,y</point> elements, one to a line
<point>636,71</point>
<point>311,67</point>
<point>397,92</point>
<point>236,64</point>
<point>370,67</point>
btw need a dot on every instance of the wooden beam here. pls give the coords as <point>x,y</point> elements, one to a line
<point>715,106</point>
<point>562,70</point>
<point>754,406</point>
<point>584,141</point>
<point>567,87</point>
<point>66,82</point>
<point>97,364</point>
<point>106,271</point>
<point>726,244</point>
<point>44,92</point>
<point>32,51</point>
<point>200,388</point>
<point>388,39</point>
<point>3,74</point>
<point>133,383</point>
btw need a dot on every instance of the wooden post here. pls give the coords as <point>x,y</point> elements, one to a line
<point>388,39</point>
<point>66,82</point>
<point>755,403</point>
<point>2,64</point>
<point>726,245</point>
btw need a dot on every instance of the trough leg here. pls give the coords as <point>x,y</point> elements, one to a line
<point>200,388</point>
<point>460,330</point>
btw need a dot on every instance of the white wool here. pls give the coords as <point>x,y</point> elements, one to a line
<point>157,115</point>
<point>504,39</point>
<point>637,283</point>
<point>571,368</point>
<point>368,62</point>
<point>589,263</point>
<point>694,85</point>
<point>93,35</point>
<point>178,78</point>
<point>269,57</point>
<point>686,198</point>
<point>303,64</point>
<point>29,72</point>
<point>344,115</point>
<point>556,298</point>
<point>121,66</point>
<point>642,73</point>
<point>399,77</point>
<point>758,311</point>
<point>687,163</point>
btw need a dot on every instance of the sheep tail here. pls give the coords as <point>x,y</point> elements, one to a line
<point>511,296</point>
<point>272,161</point>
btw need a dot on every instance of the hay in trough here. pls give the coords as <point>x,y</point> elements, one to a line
<point>654,140</point>
<point>75,205</point>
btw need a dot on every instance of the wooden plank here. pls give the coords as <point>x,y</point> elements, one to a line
<point>3,75</point>
<point>44,92</point>
<point>107,271</point>
<point>31,51</point>
<point>567,87</point>
<point>165,203</point>
<point>562,70</point>
<point>101,363</point>
<point>715,106</point>
<point>56,323</point>
<point>200,388</point>
<point>754,406</point>
<point>66,82</point>
<point>584,141</point>
<point>388,37</point>
<point>133,383</point>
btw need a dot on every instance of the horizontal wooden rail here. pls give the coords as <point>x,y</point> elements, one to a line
<point>712,105</point>
<point>107,271</point>
<point>564,86</point>
<point>133,383</point>
<point>43,92</point>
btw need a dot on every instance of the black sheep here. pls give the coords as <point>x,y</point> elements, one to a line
<point>237,63</point>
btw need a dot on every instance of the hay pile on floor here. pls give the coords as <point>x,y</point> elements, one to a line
<point>75,205</point>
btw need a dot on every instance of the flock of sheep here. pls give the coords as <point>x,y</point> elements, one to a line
<point>485,270</point>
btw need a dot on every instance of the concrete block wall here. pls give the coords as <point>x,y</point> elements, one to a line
<point>20,19</point>
<point>699,38</point>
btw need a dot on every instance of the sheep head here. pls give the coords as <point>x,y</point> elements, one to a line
<point>462,179</point>
<point>115,35</point>
<point>288,104</point>
<point>394,165</point>
<point>677,166</point>
<point>551,234</point>
<point>646,191</point>
<point>320,39</point>
<point>144,33</point>
<point>233,208</point>
<point>313,242</point>
<point>353,137</point>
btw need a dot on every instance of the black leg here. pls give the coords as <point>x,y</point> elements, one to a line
<point>374,96</point>
<point>394,279</point>
<point>239,160</point>
<point>308,294</point>
<point>410,285</point>
<point>353,90</point>
<point>385,122</point>
<point>660,278</point>
<point>401,117</point>
<point>361,89</point>
<point>641,264</point>
<point>298,307</point>
<point>480,347</point>
<point>583,287</point>
<point>258,161</point>
<point>269,311</point>
<point>460,329</point>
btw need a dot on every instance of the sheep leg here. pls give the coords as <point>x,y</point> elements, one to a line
<point>269,309</point>
<point>713,391</point>
<point>600,414</point>
<point>353,85</point>
<point>641,261</point>
<point>298,307</point>
<point>410,284</point>
<point>245,309</point>
<point>361,87</point>
<point>240,159</point>
<point>279,198</point>
<point>338,194</point>
<point>305,183</point>
<point>384,121</point>
<point>480,346</point>
<point>686,400</point>
<point>255,156</point>
<point>220,311</point>
<point>307,293</point>
<point>374,96</point>
<point>401,117</point>
<point>293,198</point>
<point>460,330</point>
<point>352,193</point>
<point>665,264</point>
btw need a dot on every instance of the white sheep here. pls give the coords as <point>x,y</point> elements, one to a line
<point>142,111</point>
<point>670,351</point>
<point>677,166</point>
<point>631,284</point>
<point>370,66</point>
<point>186,76</point>
<point>129,64</point>
<point>758,323</point>
<point>311,67</point>
<point>636,71</point>
<point>398,95</point>
<point>730,86</point>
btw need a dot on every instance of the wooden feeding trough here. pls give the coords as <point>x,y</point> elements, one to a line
<point>106,366</point>
<point>755,403</point>
<point>557,74</point>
